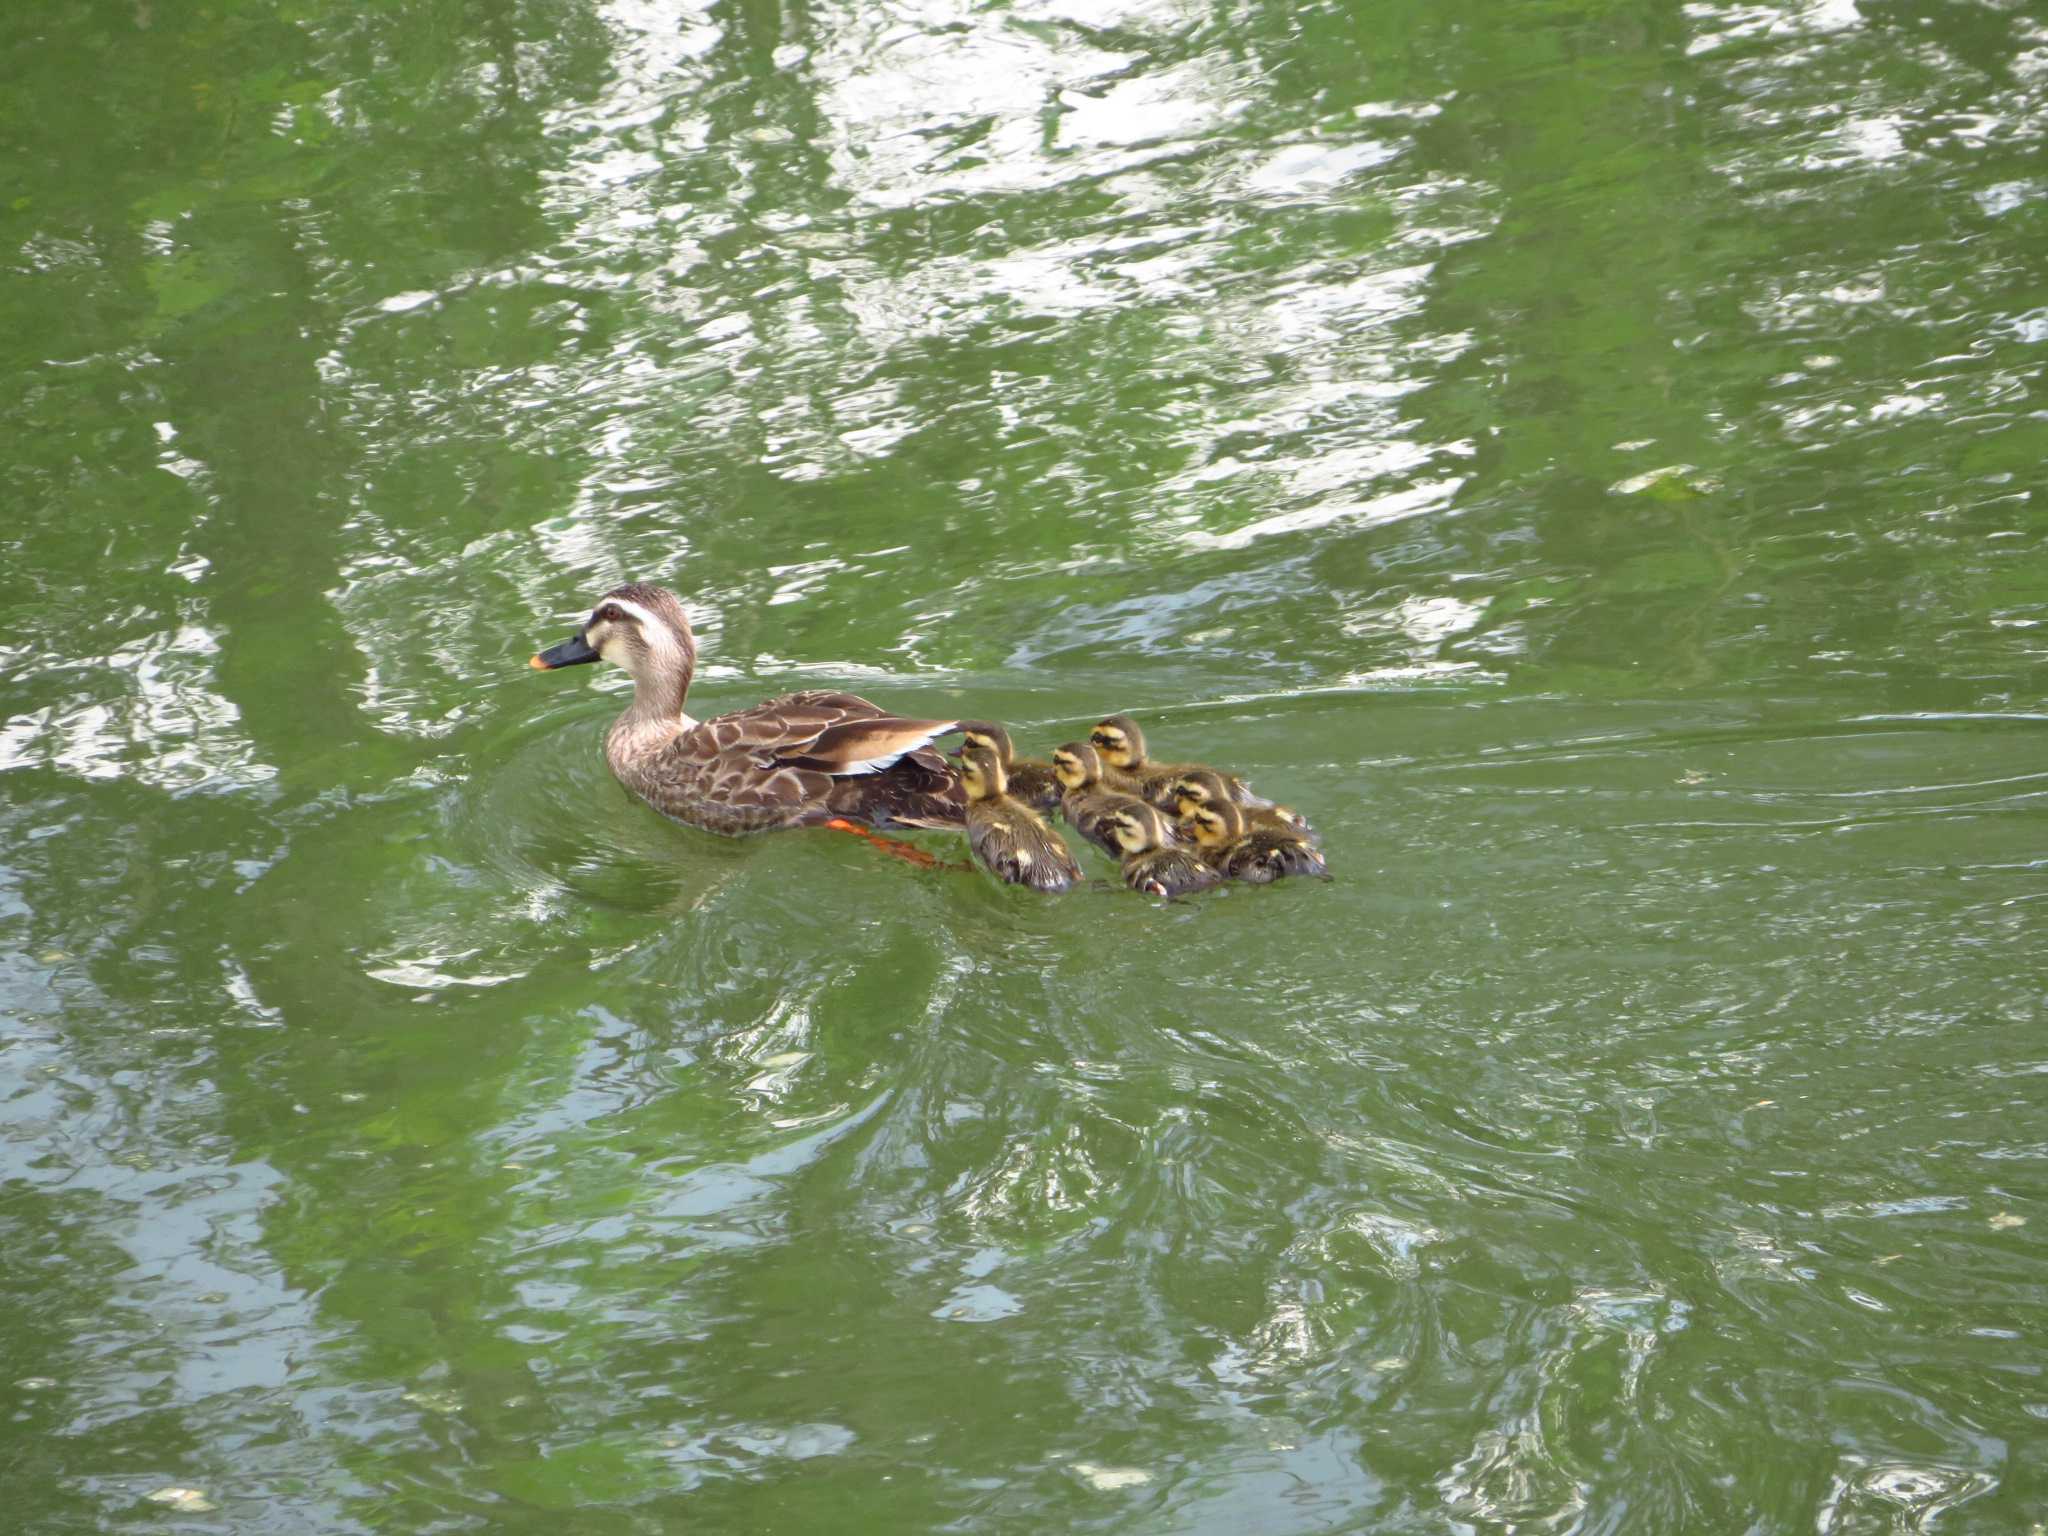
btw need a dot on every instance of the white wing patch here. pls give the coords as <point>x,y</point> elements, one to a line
<point>888,759</point>
<point>872,764</point>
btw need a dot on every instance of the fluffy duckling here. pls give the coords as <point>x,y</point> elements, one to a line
<point>1009,839</point>
<point>1201,786</point>
<point>1122,746</point>
<point>1031,781</point>
<point>1152,861</point>
<point>1242,853</point>
<point>1085,799</point>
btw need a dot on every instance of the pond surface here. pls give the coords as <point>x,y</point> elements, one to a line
<point>1586,455</point>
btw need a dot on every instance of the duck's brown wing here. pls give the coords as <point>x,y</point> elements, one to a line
<point>863,745</point>
<point>815,755</point>
<point>831,733</point>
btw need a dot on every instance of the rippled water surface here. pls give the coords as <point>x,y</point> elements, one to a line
<point>1586,454</point>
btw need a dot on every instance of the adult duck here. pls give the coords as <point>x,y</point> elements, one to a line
<point>801,760</point>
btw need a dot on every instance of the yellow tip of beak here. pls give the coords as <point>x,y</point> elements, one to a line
<point>537,664</point>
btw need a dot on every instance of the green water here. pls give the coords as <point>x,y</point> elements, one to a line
<point>1588,455</point>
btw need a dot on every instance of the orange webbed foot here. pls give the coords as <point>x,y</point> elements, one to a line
<point>895,847</point>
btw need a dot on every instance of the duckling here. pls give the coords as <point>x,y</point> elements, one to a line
<point>1086,800</point>
<point>1009,839</point>
<point>1241,853</point>
<point>1201,786</point>
<point>1152,861</point>
<point>1031,781</point>
<point>1122,746</point>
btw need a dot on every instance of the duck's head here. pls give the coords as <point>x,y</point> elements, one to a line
<point>1217,824</point>
<point>1076,765</point>
<point>1120,742</point>
<point>1196,788</point>
<point>639,627</point>
<point>1138,828</point>
<point>985,733</point>
<point>981,773</point>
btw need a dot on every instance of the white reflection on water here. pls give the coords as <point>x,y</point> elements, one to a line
<point>933,102</point>
<point>1865,1495</point>
<point>1430,496</point>
<point>1511,1477</point>
<point>1724,24</point>
<point>166,724</point>
<point>941,101</point>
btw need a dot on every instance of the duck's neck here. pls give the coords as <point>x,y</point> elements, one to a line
<point>661,685</point>
<point>659,700</point>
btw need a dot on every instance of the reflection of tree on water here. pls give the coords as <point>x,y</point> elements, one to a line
<point>1674,202</point>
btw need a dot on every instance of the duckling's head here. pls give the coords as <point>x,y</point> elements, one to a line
<point>1076,765</point>
<point>638,626</point>
<point>981,773</point>
<point>984,733</point>
<point>1120,742</point>
<point>1217,824</point>
<point>1137,827</point>
<point>1195,788</point>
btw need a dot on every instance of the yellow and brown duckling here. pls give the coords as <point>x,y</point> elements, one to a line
<point>1202,786</point>
<point>1126,766</point>
<point>1031,781</point>
<point>1009,839</point>
<point>1256,857</point>
<point>1152,861</point>
<point>1086,800</point>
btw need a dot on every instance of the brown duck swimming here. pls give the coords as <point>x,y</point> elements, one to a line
<point>1009,839</point>
<point>795,761</point>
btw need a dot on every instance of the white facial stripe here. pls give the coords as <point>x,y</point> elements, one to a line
<point>647,621</point>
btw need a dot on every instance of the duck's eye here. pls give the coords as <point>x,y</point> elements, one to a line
<point>610,613</point>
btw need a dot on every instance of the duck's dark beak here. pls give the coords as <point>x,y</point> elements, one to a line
<point>571,652</point>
